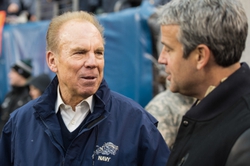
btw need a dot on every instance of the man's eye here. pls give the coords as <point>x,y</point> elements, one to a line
<point>167,49</point>
<point>99,53</point>
<point>80,52</point>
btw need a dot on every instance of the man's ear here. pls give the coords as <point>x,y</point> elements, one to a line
<point>203,56</point>
<point>51,61</point>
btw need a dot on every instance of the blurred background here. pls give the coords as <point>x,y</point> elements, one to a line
<point>131,34</point>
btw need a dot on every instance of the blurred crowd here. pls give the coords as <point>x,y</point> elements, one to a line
<point>24,87</point>
<point>20,11</point>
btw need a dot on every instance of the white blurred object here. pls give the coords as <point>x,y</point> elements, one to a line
<point>13,19</point>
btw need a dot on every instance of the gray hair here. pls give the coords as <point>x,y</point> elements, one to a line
<point>219,24</point>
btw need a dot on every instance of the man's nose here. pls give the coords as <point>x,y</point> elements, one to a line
<point>91,59</point>
<point>162,58</point>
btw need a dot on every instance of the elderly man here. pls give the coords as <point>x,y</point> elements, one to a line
<point>78,120</point>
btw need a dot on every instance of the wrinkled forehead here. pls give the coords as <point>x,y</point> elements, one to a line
<point>75,27</point>
<point>79,35</point>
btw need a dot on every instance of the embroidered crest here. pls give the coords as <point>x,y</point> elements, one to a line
<point>107,149</point>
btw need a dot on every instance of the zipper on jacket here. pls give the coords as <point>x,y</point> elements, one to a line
<point>96,140</point>
<point>95,121</point>
<point>63,161</point>
<point>50,134</point>
<point>90,124</point>
<point>183,160</point>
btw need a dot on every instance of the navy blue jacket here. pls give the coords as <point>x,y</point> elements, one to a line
<point>119,132</point>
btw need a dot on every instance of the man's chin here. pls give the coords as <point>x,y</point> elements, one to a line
<point>173,89</point>
<point>88,92</point>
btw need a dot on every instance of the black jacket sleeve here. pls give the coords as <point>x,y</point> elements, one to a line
<point>240,153</point>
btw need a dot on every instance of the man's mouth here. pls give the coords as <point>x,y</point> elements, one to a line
<point>89,77</point>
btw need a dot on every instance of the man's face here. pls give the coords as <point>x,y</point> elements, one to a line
<point>34,92</point>
<point>15,78</point>
<point>79,62</point>
<point>180,71</point>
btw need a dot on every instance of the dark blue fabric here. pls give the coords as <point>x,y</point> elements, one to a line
<point>116,120</point>
<point>67,136</point>
<point>128,42</point>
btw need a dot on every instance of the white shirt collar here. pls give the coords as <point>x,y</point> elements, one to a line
<point>59,101</point>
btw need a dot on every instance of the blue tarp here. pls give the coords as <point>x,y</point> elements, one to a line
<point>128,41</point>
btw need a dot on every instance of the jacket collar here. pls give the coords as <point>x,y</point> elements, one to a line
<point>45,105</point>
<point>221,97</point>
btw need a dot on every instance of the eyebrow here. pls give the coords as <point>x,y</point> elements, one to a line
<point>79,49</point>
<point>166,45</point>
<point>84,49</point>
<point>100,49</point>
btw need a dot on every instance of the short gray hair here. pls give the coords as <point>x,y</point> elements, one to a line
<point>219,24</point>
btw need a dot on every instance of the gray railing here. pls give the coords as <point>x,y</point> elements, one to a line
<point>47,9</point>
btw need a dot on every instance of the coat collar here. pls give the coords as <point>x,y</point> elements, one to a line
<point>221,98</point>
<point>45,105</point>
